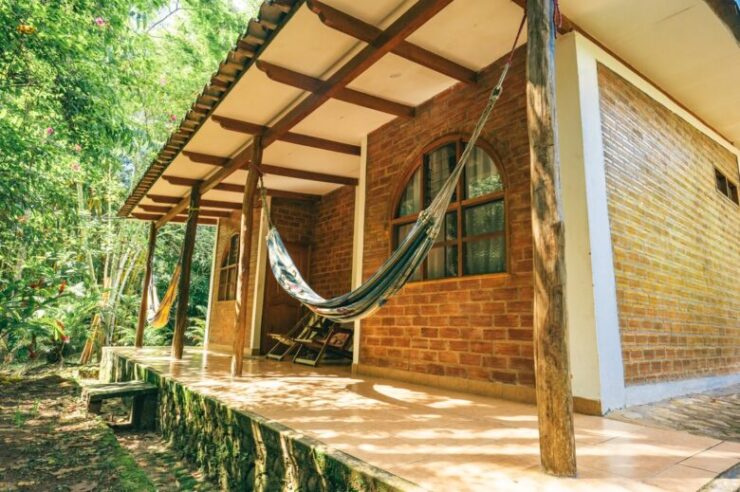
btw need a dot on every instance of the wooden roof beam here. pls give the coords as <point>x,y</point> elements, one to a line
<point>363,31</point>
<point>283,171</point>
<point>290,137</point>
<point>384,43</point>
<point>177,218</point>
<point>202,212</point>
<point>205,158</point>
<point>311,84</point>
<point>231,187</point>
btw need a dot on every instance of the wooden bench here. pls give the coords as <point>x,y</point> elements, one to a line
<point>143,408</point>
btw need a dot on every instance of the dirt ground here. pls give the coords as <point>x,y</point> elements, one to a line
<point>48,442</point>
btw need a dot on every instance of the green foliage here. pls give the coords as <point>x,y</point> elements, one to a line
<point>89,90</point>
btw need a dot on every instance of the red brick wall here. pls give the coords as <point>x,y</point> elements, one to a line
<point>294,219</point>
<point>675,238</point>
<point>331,253</point>
<point>472,327</point>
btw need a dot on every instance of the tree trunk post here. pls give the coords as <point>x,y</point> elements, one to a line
<point>183,286</point>
<point>552,373</point>
<point>144,307</point>
<point>245,253</point>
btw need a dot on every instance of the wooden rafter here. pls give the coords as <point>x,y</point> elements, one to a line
<point>363,31</point>
<point>177,218</point>
<point>203,212</point>
<point>385,42</point>
<point>290,137</point>
<point>205,158</point>
<point>282,171</point>
<point>312,84</point>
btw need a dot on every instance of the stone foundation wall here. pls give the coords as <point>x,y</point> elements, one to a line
<point>244,451</point>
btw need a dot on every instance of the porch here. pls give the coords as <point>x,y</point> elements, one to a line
<point>286,426</point>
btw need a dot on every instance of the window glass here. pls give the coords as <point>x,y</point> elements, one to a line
<point>410,202</point>
<point>442,262</point>
<point>483,219</point>
<point>481,175</point>
<point>486,255</point>
<point>474,229</point>
<point>437,167</point>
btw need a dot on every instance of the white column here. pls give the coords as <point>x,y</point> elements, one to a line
<point>358,239</point>
<point>258,296</point>
<point>591,298</point>
<point>211,291</point>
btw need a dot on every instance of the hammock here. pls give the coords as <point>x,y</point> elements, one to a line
<point>400,266</point>
<point>161,316</point>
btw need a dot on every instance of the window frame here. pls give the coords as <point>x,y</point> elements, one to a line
<point>730,190</point>
<point>458,206</point>
<point>226,289</point>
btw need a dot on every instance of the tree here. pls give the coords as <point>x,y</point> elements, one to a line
<point>89,90</point>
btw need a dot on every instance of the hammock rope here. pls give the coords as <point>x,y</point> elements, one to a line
<point>403,262</point>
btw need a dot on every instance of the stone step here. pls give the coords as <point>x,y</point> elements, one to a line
<point>102,391</point>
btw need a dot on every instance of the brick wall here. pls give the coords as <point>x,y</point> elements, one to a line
<point>331,253</point>
<point>472,327</point>
<point>326,225</point>
<point>675,239</point>
<point>223,313</point>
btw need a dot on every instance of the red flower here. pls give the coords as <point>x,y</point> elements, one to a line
<point>62,286</point>
<point>49,131</point>
<point>65,339</point>
<point>173,117</point>
<point>100,21</point>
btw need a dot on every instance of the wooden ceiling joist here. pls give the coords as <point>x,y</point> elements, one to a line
<point>205,158</point>
<point>290,137</point>
<point>177,218</point>
<point>368,33</point>
<point>385,42</point>
<point>202,212</point>
<point>311,84</point>
<point>275,171</point>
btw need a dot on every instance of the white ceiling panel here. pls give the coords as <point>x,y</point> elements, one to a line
<point>473,33</point>
<point>343,122</point>
<point>213,140</point>
<point>311,159</point>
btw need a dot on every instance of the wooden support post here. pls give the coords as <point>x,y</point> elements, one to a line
<point>552,373</point>
<point>183,286</point>
<point>144,307</point>
<point>245,253</point>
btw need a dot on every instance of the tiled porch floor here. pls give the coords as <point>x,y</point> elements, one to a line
<point>444,440</point>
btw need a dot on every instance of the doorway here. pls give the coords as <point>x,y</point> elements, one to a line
<point>280,311</point>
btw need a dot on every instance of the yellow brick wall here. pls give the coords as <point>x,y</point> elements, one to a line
<point>676,240</point>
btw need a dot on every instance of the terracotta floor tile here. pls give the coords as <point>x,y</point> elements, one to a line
<point>716,459</point>
<point>681,478</point>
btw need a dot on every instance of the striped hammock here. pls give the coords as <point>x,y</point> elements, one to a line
<point>398,268</point>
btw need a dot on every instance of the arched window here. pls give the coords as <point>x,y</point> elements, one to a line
<point>227,272</point>
<point>472,240</point>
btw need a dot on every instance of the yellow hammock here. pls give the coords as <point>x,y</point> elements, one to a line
<point>162,314</point>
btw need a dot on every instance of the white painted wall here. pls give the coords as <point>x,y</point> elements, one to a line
<point>211,291</point>
<point>259,282</point>
<point>591,299</point>
<point>358,239</point>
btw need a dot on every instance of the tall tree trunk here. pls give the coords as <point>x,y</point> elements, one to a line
<point>552,374</point>
<point>183,291</point>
